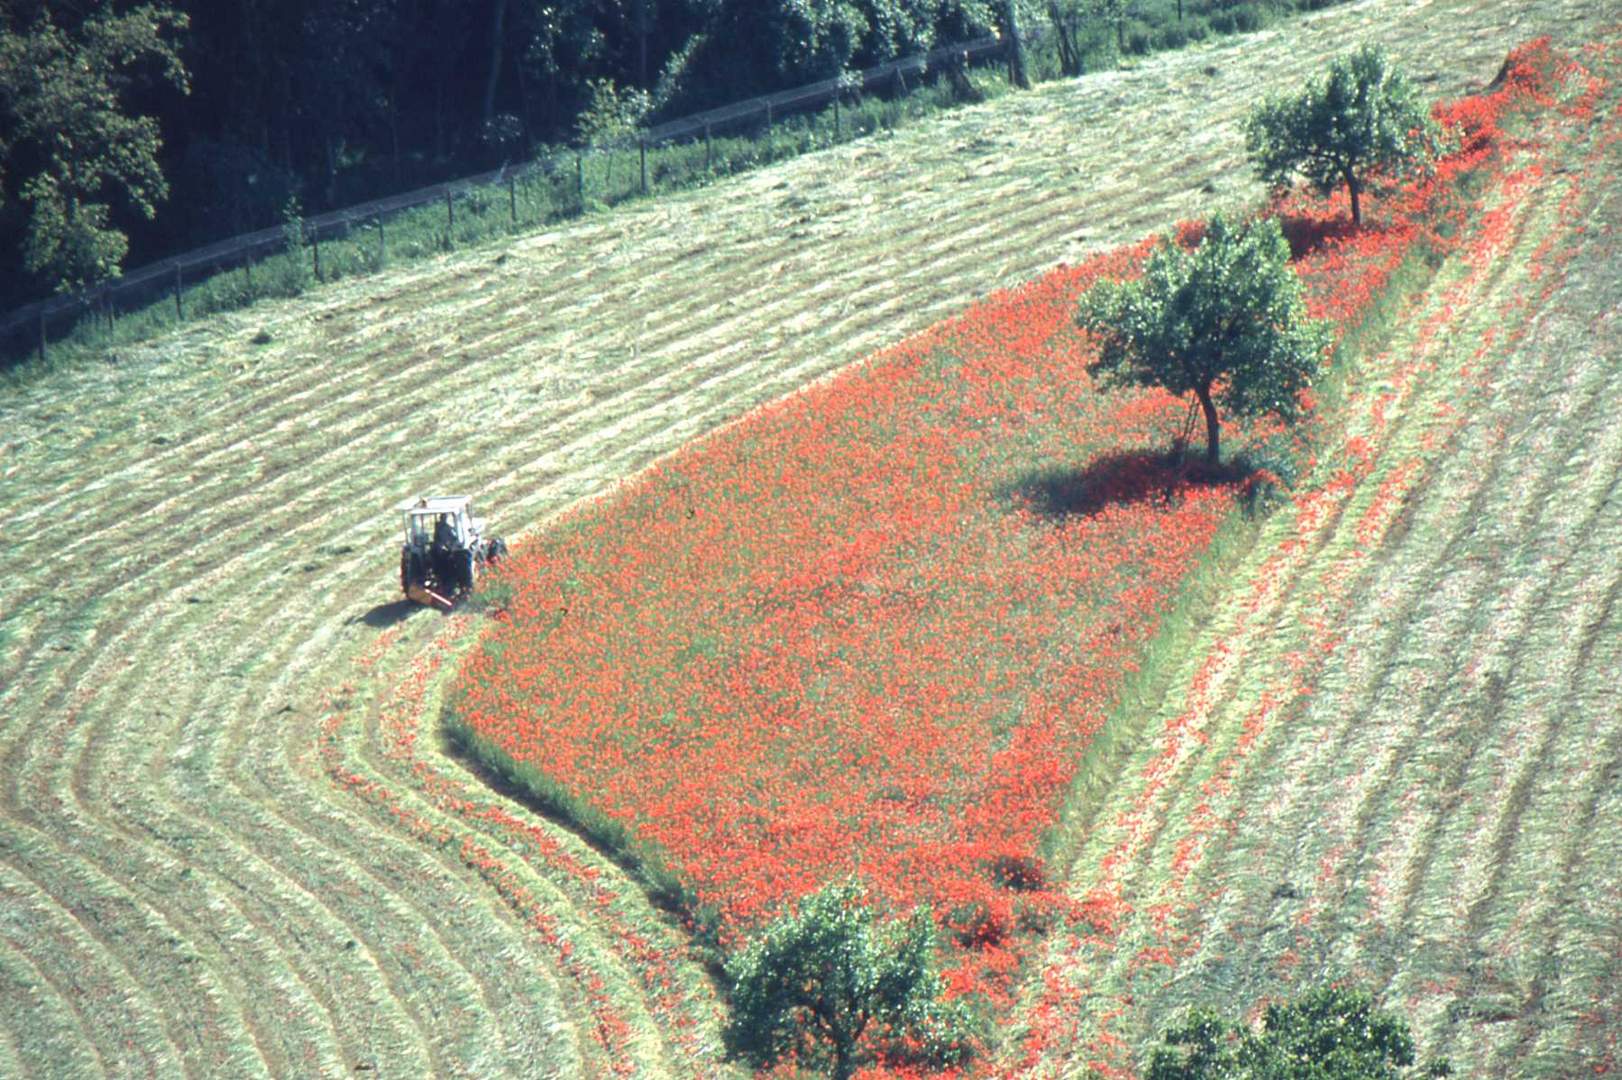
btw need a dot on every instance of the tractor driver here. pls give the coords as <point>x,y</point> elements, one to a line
<point>444,533</point>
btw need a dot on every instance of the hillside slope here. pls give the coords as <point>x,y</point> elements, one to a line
<point>1393,758</point>
<point>230,842</point>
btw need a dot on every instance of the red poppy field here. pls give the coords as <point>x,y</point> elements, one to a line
<point>872,629</point>
<point>903,616</point>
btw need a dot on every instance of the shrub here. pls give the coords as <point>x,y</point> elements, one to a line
<point>1332,1033</point>
<point>828,988</point>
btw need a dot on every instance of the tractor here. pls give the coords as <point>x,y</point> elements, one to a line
<point>445,549</point>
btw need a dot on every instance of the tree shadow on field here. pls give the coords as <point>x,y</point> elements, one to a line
<point>1123,478</point>
<point>1306,234</point>
<point>384,616</point>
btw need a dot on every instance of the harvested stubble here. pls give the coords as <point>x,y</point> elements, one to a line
<point>1392,757</point>
<point>192,883</point>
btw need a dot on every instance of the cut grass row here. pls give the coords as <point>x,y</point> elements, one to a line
<point>1371,766</point>
<point>561,184</point>
<point>184,858</point>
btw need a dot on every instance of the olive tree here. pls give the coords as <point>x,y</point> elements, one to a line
<point>1225,322</point>
<point>1333,1033</point>
<point>1363,116</point>
<point>829,987</point>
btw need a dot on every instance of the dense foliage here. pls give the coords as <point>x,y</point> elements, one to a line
<point>337,101</point>
<point>828,987</point>
<point>1226,321</point>
<point>69,139</point>
<point>334,102</point>
<point>1332,1033</point>
<point>1364,117</point>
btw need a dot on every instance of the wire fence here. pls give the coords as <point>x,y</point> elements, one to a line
<point>552,172</point>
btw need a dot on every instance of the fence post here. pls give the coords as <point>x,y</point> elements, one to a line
<point>512,197</point>
<point>381,251</point>
<point>900,79</point>
<point>708,157</point>
<point>315,243</point>
<point>580,178</point>
<point>247,272</point>
<point>642,149</point>
<point>450,218</point>
<point>180,314</point>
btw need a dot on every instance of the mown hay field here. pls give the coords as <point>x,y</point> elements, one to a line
<point>231,840</point>
<point>1393,758</point>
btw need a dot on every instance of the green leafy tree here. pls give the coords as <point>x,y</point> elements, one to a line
<point>61,95</point>
<point>1332,1033</point>
<point>1225,322</point>
<point>830,989</point>
<point>613,113</point>
<point>1364,116</point>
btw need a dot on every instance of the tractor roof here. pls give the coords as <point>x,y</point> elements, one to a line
<point>439,504</point>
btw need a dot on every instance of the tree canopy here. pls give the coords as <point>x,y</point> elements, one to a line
<point>1363,116</point>
<point>64,97</point>
<point>1332,1033</point>
<point>830,988</point>
<point>1225,322</point>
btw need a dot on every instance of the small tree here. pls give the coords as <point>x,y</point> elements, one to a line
<point>1332,1033</point>
<point>830,989</point>
<point>1364,116</point>
<point>1225,322</point>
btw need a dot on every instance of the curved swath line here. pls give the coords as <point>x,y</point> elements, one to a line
<point>251,858</point>
<point>69,1034</point>
<point>1442,560</point>
<point>1336,749</point>
<point>1537,615</point>
<point>353,826</point>
<point>145,1011</point>
<point>136,841</point>
<point>188,512</point>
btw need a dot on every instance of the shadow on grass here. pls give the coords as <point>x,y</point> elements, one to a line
<point>384,616</point>
<point>1307,234</point>
<point>1124,478</point>
<point>611,844</point>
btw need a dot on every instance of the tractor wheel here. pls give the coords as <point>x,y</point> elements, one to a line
<point>410,572</point>
<point>459,573</point>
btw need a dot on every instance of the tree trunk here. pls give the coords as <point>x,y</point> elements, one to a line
<point>496,52</point>
<point>1069,56</point>
<point>843,1065</point>
<point>1354,189</point>
<point>1213,432</point>
<point>1016,48</point>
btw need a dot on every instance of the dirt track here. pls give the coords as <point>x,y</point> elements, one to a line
<point>230,842</point>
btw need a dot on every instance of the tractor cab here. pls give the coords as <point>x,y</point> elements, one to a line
<point>447,520</point>
<point>444,549</point>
